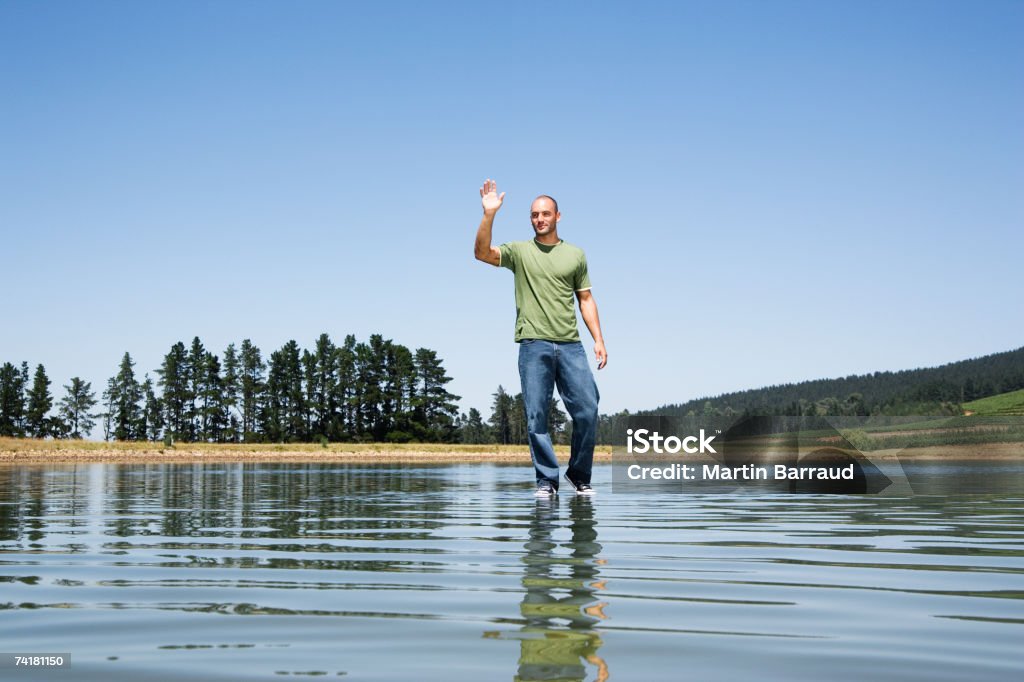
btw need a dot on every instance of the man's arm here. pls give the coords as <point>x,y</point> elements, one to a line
<point>491,201</point>
<point>588,308</point>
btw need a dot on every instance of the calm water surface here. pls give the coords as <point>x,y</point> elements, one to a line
<point>264,571</point>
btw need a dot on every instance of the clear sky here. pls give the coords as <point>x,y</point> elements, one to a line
<point>766,191</point>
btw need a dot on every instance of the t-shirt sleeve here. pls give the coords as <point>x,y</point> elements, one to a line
<point>509,257</point>
<point>582,280</point>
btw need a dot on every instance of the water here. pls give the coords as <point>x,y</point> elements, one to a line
<point>268,571</point>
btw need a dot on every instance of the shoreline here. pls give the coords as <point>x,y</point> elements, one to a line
<point>27,451</point>
<point>16,451</point>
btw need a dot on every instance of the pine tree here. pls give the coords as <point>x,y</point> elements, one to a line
<point>12,401</point>
<point>297,410</point>
<point>123,396</point>
<point>196,373</point>
<point>501,417</point>
<point>473,428</point>
<point>38,425</point>
<point>323,391</point>
<point>372,382</point>
<point>252,389</point>
<point>153,413</point>
<point>174,385</point>
<point>107,416</point>
<point>214,412</point>
<point>438,406</point>
<point>309,382</point>
<point>231,388</point>
<point>517,419</point>
<point>390,393</point>
<point>75,408</point>
<point>365,394</point>
<point>400,392</point>
<point>23,383</point>
<point>284,413</point>
<point>344,391</point>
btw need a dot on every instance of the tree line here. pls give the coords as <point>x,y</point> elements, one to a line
<point>507,423</point>
<point>382,391</point>
<point>356,391</point>
<point>925,391</point>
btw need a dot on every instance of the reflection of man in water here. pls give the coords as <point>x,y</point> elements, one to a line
<point>560,606</point>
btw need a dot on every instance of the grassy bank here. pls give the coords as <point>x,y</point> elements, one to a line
<point>28,450</point>
<point>1003,404</point>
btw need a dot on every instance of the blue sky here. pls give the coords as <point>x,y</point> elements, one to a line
<point>767,191</point>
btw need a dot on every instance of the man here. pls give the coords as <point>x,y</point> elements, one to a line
<point>548,271</point>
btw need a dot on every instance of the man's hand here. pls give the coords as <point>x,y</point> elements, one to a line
<point>588,308</point>
<point>490,198</point>
<point>491,201</point>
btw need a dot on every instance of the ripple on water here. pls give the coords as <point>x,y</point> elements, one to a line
<point>263,571</point>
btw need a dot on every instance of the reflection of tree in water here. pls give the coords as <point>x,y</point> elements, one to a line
<point>31,497</point>
<point>560,606</point>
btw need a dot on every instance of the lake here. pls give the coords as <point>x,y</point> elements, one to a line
<point>270,571</point>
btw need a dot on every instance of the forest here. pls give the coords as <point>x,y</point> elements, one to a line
<point>356,391</point>
<point>381,391</point>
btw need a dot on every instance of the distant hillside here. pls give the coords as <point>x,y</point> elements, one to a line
<point>1011,403</point>
<point>914,391</point>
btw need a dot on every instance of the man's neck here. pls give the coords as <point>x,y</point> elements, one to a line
<point>549,239</point>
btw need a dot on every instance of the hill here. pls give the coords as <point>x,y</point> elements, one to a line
<point>944,390</point>
<point>914,391</point>
<point>1011,403</point>
<point>930,390</point>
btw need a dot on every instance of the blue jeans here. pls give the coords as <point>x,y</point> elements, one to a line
<point>542,366</point>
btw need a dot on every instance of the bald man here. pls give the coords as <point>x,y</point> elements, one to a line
<point>548,273</point>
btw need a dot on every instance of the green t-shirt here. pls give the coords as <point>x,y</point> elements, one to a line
<point>546,278</point>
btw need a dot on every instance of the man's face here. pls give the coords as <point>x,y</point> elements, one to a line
<point>543,216</point>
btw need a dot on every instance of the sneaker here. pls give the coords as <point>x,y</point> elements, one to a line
<point>581,488</point>
<point>545,489</point>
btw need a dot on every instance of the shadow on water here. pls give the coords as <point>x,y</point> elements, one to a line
<point>561,605</point>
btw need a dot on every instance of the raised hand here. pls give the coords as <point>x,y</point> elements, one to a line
<point>490,198</point>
